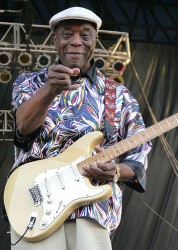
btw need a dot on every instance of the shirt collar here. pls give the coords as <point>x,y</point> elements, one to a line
<point>90,74</point>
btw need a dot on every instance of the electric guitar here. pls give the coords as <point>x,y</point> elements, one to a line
<point>49,190</point>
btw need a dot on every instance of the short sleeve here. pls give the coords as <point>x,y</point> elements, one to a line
<point>131,123</point>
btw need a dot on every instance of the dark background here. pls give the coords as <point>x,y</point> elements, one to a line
<point>149,220</point>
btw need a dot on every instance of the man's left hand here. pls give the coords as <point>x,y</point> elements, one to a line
<point>100,171</point>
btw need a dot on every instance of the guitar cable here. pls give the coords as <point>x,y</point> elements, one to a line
<point>29,227</point>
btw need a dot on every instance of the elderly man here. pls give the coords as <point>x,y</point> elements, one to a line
<point>55,107</point>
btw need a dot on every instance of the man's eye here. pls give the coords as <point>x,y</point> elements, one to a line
<point>66,35</point>
<point>86,36</point>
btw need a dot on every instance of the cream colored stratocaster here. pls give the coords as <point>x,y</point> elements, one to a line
<point>51,189</point>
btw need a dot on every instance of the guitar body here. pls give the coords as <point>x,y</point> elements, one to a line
<point>52,189</point>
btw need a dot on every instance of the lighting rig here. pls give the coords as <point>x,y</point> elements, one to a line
<point>112,55</point>
<point>112,52</point>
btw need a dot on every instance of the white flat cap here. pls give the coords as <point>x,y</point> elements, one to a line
<point>75,13</point>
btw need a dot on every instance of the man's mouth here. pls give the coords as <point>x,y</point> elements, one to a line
<point>74,53</point>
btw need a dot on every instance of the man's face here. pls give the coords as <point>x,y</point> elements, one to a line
<point>75,42</point>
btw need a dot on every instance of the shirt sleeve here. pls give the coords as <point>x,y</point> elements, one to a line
<point>24,88</point>
<point>131,122</point>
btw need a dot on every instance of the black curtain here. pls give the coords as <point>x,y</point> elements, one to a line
<point>149,220</point>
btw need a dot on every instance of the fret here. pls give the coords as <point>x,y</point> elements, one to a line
<point>168,123</point>
<point>100,156</point>
<point>118,149</point>
<point>134,140</point>
<point>128,142</point>
<point>153,131</point>
<point>123,145</point>
<point>93,159</point>
<point>85,162</point>
<point>160,127</point>
<point>109,153</point>
<point>147,134</point>
<point>103,156</point>
<point>128,145</point>
<point>106,156</point>
<point>111,148</point>
<point>175,117</point>
<point>150,133</point>
<point>140,137</point>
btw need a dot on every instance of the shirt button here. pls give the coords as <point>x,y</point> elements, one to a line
<point>65,117</point>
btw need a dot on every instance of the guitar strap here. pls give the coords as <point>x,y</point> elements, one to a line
<point>110,99</point>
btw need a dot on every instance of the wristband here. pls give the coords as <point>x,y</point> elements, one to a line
<point>117,175</point>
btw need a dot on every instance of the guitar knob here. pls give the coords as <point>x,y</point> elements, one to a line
<point>49,201</point>
<point>43,223</point>
<point>48,212</point>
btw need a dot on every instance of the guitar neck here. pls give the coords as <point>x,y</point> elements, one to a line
<point>133,141</point>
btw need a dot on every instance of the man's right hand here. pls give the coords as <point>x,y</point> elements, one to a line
<point>59,79</point>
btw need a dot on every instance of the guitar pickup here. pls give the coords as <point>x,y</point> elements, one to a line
<point>36,195</point>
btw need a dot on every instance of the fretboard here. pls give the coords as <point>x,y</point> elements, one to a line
<point>133,141</point>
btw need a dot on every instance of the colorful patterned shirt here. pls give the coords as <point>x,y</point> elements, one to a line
<point>74,114</point>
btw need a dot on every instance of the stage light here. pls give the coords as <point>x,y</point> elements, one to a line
<point>25,59</point>
<point>5,76</point>
<point>100,63</point>
<point>118,66</point>
<point>44,61</point>
<point>5,58</point>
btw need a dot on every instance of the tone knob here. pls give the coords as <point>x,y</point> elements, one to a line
<point>48,212</point>
<point>43,223</point>
<point>49,201</point>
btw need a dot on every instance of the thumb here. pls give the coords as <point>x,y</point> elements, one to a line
<point>98,149</point>
<point>75,71</point>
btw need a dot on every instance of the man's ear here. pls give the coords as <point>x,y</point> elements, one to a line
<point>55,39</point>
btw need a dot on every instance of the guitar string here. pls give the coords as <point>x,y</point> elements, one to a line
<point>54,178</point>
<point>106,153</point>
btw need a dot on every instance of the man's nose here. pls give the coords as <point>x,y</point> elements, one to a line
<point>76,40</point>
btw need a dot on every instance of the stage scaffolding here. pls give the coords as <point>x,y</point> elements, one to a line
<point>37,40</point>
<point>6,125</point>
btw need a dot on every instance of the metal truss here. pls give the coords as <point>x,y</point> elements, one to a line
<point>111,45</point>
<point>153,21</point>
<point>6,125</point>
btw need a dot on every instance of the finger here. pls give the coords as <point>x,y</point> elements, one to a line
<point>60,89</point>
<point>63,69</point>
<point>60,69</point>
<point>98,149</point>
<point>109,166</point>
<point>59,78</point>
<point>94,172</point>
<point>75,71</point>
<point>71,87</point>
<point>92,175</point>
<point>61,75</point>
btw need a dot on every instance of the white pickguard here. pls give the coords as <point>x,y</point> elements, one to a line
<point>59,187</point>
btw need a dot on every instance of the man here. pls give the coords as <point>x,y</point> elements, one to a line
<point>55,107</point>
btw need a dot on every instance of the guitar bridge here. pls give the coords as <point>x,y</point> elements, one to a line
<point>36,195</point>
